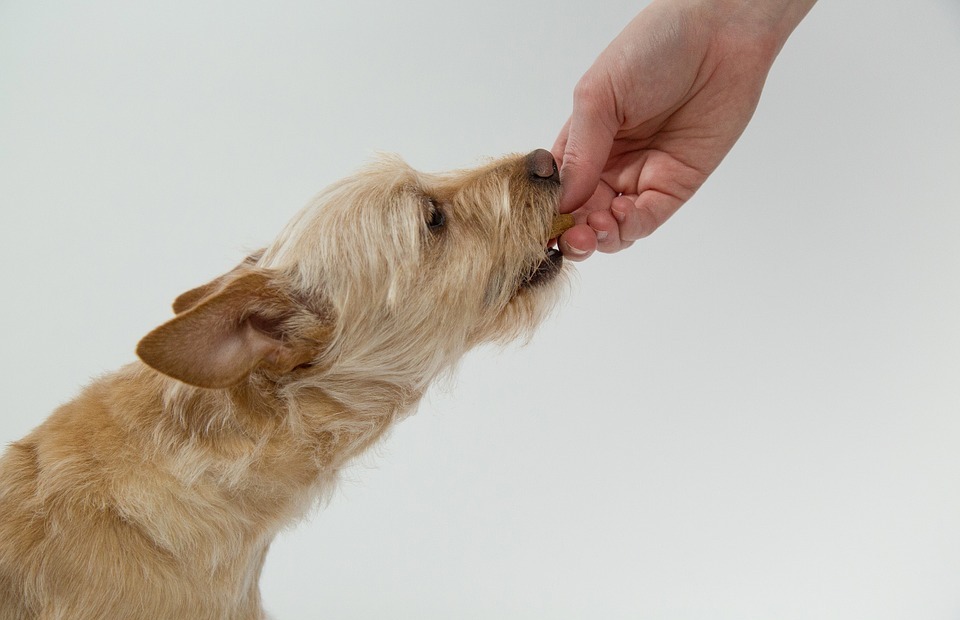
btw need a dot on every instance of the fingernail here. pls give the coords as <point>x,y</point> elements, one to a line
<point>619,214</point>
<point>574,251</point>
<point>601,235</point>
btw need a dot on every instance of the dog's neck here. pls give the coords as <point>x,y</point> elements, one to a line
<point>254,454</point>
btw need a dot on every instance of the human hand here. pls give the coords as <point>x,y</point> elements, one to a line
<point>659,109</point>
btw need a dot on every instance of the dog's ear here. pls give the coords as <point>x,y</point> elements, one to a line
<point>195,295</point>
<point>248,322</point>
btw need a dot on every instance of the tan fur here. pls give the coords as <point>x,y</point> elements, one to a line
<point>156,492</point>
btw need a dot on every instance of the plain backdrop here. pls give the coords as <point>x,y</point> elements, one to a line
<point>753,414</point>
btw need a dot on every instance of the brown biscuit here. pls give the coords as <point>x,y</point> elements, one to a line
<point>561,224</point>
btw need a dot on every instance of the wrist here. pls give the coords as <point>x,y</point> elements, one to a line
<point>767,23</point>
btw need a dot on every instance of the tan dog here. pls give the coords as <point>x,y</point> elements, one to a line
<point>156,492</point>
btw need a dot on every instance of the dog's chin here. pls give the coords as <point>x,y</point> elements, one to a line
<point>546,270</point>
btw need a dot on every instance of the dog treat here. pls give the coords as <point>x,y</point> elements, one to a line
<point>155,493</point>
<point>561,224</point>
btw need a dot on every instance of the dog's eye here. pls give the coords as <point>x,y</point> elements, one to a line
<point>435,217</point>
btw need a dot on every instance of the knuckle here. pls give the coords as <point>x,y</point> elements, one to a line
<point>589,92</point>
<point>640,223</point>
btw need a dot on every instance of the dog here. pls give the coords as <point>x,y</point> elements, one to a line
<point>156,492</point>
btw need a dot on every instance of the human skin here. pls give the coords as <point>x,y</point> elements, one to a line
<point>658,111</point>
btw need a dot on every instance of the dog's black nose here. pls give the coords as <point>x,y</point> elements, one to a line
<point>542,167</point>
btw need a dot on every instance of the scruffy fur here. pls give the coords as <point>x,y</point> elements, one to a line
<point>156,492</point>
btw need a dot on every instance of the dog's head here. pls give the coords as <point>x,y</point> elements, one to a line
<point>390,274</point>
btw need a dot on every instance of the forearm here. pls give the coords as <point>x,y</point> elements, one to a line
<point>769,21</point>
<point>786,14</point>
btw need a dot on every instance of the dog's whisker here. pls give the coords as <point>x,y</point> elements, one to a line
<point>157,491</point>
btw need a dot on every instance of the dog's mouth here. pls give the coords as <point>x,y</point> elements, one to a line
<point>552,263</point>
<point>546,270</point>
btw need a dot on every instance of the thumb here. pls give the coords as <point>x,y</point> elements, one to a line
<point>586,145</point>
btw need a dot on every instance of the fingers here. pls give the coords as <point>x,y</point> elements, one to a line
<point>584,144</point>
<point>578,243</point>
<point>607,229</point>
<point>561,142</point>
<point>632,222</point>
<point>583,239</point>
<point>639,216</point>
<point>615,227</point>
<point>599,232</point>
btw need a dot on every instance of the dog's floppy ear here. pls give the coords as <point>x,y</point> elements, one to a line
<point>195,295</point>
<point>247,323</point>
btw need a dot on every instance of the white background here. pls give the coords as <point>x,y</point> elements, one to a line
<point>755,413</point>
